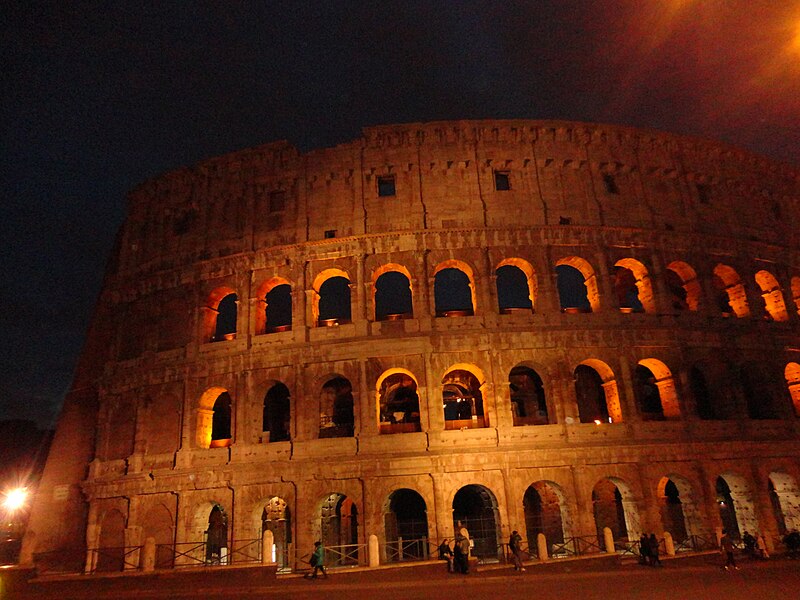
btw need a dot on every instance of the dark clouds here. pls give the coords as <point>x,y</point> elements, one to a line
<point>99,96</point>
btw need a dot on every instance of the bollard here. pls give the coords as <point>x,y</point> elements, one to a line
<point>765,543</point>
<point>374,551</point>
<point>267,541</point>
<point>149,554</point>
<point>608,538</point>
<point>669,544</point>
<point>541,544</point>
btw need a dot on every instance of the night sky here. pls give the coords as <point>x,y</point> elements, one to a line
<point>97,97</point>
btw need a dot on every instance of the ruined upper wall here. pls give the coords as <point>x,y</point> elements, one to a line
<point>560,172</point>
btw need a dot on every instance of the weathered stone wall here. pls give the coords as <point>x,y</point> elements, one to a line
<point>602,194</point>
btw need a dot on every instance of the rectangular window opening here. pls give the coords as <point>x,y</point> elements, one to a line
<point>386,186</point>
<point>703,193</point>
<point>330,233</point>
<point>277,201</point>
<point>502,181</point>
<point>610,183</point>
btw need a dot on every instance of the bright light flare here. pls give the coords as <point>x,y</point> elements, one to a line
<point>15,499</point>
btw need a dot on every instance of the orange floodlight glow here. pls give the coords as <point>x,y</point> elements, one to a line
<point>15,499</point>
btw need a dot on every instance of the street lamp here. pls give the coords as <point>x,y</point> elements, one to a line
<point>15,499</point>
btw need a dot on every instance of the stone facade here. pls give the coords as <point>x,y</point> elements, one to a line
<point>674,372</point>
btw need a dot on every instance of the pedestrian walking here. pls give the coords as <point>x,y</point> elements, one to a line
<point>726,548</point>
<point>515,545</point>
<point>317,561</point>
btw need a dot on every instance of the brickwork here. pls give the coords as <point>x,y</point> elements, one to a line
<point>689,260</point>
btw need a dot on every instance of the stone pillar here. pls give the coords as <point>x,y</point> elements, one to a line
<point>267,541</point>
<point>627,397</point>
<point>149,555</point>
<point>541,544</point>
<point>608,540</point>
<point>669,544</point>
<point>374,551</point>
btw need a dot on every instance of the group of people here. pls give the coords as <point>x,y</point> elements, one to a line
<point>649,550</point>
<point>457,557</point>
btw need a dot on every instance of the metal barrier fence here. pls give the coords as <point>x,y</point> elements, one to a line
<point>108,560</point>
<point>576,546</point>
<point>402,550</point>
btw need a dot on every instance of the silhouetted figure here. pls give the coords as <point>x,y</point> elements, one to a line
<point>652,542</point>
<point>644,550</point>
<point>446,553</point>
<point>726,548</point>
<point>515,545</point>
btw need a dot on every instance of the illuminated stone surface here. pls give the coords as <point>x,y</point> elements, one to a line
<point>685,339</point>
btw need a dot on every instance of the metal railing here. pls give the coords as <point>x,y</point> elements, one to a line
<point>576,546</point>
<point>245,551</point>
<point>346,555</point>
<point>401,550</point>
<point>109,560</point>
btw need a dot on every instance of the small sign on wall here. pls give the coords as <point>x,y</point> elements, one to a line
<point>60,492</point>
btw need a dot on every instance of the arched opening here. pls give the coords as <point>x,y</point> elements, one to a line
<point>633,287</point>
<point>596,393</point>
<point>614,507</point>
<point>475,508</point>
<point>221,422</point>
<point>111,545</point>
<point>771,293</point>
<point>516,286</point>
<point>704,402</point>
<point>727,509</point>
<point>226,318</point>
<point>736,508</point>
<point>683,286</point>
<point>711,385</point>
<point>758,393</point>
<point>543,504</point>
<point>785,500</point>
<point>453,290</point>
<point>646,392</point>
<point>577,285</point>
<point>276,420</point>
<point>334,302</point>
<point>219,315</point>
<point>398,403</point>
<point>216,536</point>
<point>796,293</point>
<point>730,293</point>
<point>339,530</point>
<point>278,309</point>
<point>159,525</point>
<point>792,374</point>
<point>406,526</point>
<point>462,401</point>
<point>673,515</point>
<point>276,518</point>
<point>392,291</point>
<point>336,409</point>
<point>528,405</point>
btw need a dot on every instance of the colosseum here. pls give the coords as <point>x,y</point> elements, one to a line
<point>582,332</point>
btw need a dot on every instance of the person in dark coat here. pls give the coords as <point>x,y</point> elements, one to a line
<point>515,545</point>
<point>445,553</point>
<point>644,550</point>
<point>655,561</point>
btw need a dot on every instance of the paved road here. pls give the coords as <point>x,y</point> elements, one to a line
<point>677,580</point>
